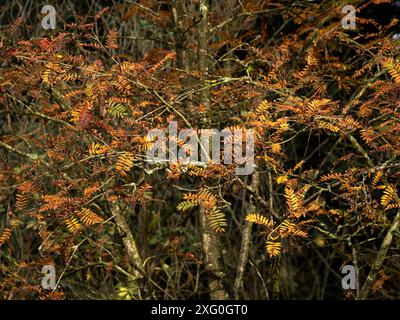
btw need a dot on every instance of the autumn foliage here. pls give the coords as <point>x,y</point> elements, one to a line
<point>77,192</point>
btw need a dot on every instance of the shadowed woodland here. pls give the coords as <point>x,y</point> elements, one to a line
<point>76,190</point>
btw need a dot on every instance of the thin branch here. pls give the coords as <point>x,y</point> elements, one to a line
<point>142,7</point>
<point>244,250</point>
<point>376,266</point>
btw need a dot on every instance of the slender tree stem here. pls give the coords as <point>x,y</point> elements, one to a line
<point>131,249</point>
<point>244,250</point>
<point>211,243</point>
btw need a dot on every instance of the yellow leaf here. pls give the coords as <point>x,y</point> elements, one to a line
<point>282,179</point>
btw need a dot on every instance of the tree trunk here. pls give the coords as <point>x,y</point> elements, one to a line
<point>212,254</point>
<point>377,264</point>
<point>244,250</point>
<point>131,250</point>
<point>210,240</point>
<point>178,12</point>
